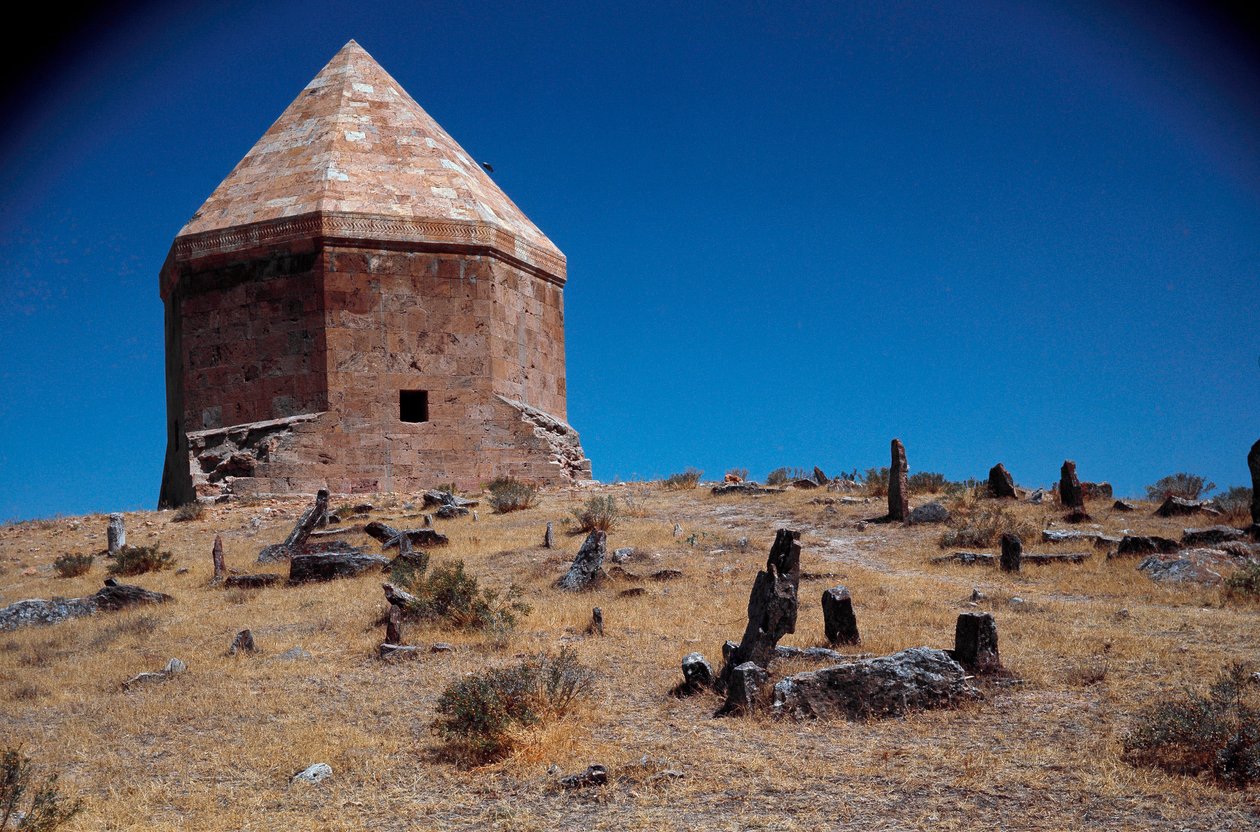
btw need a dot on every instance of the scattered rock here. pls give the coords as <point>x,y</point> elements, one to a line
<point>446,498</point>
<point>633,592</point>
<point>1071,494</point>
<point>1037,497</point>
<point>441,647</point>
<point>595,775</point>
<point>916,679</point>
<point>112,597</point>
<point>1035,558</point>
<point>294,654</point>
<point>1210,535</point>
<point>549,539</point>
<point>315,773</point>
<point>898,484</point>
<point>256,581</point>
<point>243,643</point>
<point>1253,463</point>
<point>839,621</point>
<point>804,483</point>
<point>1064,535</point>
<point>1001,484</point>
<point>746,689</point>
<point>586,572</point>
<point>623,554</point>
<point>977,595</point>
<point>451,512</point>
<point>327,566</point>
<point>1096,490</point>
<point>976,643</point>
<point>1179,506</point>
<point>666,574</point>
<point>1145,545</point>
<point>814,654</point>
<point>677,530</point>
<point>389,536</point>
<point>1121,505</point>
<point>1200,566</point>
<point>173,668</point>
<point>390,652</point>
<point>697,675</point>
<point>741,488</point>
<point>932,512</point>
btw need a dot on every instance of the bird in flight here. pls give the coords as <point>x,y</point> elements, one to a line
<point>489,167</point>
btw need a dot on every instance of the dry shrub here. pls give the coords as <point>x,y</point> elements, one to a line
<point>137,560</point>
<point>45,810</point>
<point>1086,674</point>
<point>72,566</point>
<point>634,503</point>
<point>785,475</point>
<point>1217,734</point>
<point>509,494</point>
<point>1245,583</point>
<point>599,513</point>
<point>1234,505</point>
<point>480,715</point>
<point>188,512</point>
<point>927,482</point>
<point>1181,484</point>
<point>140,625</point>
<point>740,473</point>
<point>451,595</point>
<point>684,481</point>
<point>875,482</point>
<point>982,525</point>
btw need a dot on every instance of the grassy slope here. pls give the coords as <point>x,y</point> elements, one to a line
<point>213,749</point>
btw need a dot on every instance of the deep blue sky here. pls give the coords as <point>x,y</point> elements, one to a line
<point>999,231</point>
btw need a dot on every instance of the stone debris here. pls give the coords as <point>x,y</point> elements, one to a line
<point>1200,566</point>
<point>112,597</point>
<point>1179,506</point>
<point>116,534</point>
<point>294,654</point>
<point>595,775</point>
<point>1096,490</point>
<point>1037,497</point>
<point>1071,495</point>
<point>256,581</point>
<point>976,643</point>
<point>813,654</point>
<point>772,606</point>
<point>677,530</point>
<point>297,539</point>
<point>804,483</point>
<point>1012,553</point>
<point>932,512</point>
<point>437,499</point>
<point>839,621</point>
<point>742,488</point>
<point>898,484</point>
<point>389,536</point>
<point>1121,505</point>
<point>1210,535</point>
<point>697,675</point>
<point>1001,484</point>
<point>587,570</point>
<point>623,554</point>
<point>243,643</point>
<point>327,566</point>
<point>1145,545</point>
<point>666,574</point>
<point>451,512</point>
<point>173,668</point>
<point>916,679</point>
<point>1099,539</point>
<point>1035,558</point>
<point>746,689</point>
<point>314,773</point>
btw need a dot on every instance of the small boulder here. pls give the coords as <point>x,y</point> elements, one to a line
<point>745,690</point>
<point>932,512</point>
<point>623,554</point>
<point>1180,506</point>
<point>315,773</point>
<point>1121,505</point>
<point>1145,545</point>
<point>1210,535</point>
<point>697,675</point>
<point>595,775</point>
<point>1001,484</point>
<point>587,569</point>
<point>1200,566</point>
<point>839,620</point>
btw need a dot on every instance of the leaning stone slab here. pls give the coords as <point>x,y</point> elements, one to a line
<point>913,680</point>
<point>839,621</point>
<point>772,606</point>
<point>112,597</point>
<point>302,530</point>
<point>587,569</point>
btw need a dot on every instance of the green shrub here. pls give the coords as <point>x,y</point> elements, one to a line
<point>477,714</point>
<point>451,595</point>
<point>46,810</point>
<point>189,511</point>
<point>136,560</point>
<point>1218,733</point>
<point>72,566</point>
<point>1245,583</point>
<point>981,526</point>
<point>1234,505</point>
<point>684,481</point>
<point>510,494</point>
<point>875,482</point>
<point>598,513</point>
<point>1189,486</point>
<point>927,482</point>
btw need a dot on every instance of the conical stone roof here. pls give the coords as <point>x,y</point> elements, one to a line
<point>355,157</point>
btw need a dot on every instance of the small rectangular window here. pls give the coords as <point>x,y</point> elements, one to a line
<point>413,405</point>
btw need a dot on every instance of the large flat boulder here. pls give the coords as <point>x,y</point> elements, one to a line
<point>912,680</point>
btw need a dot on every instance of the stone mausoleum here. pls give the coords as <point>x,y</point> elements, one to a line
<point>359,307</point>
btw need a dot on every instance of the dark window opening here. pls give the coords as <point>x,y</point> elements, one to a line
<point>413,405</point>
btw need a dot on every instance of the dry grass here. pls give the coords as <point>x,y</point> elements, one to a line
<point>213,749</point>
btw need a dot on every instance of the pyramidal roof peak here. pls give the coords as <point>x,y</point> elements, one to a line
<point>355,144</point>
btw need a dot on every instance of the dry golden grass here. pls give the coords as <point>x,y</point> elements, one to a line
<point>214,748</point>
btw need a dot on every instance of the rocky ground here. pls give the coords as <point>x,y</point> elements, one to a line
<point>215,745</point>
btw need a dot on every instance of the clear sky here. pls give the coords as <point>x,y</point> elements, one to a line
<point>1015,231</point>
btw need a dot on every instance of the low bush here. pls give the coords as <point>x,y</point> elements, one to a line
<point>45,810</point>
<point>684,481</point>
<point>981,525</point>
<point>1217,733</point>
<point>479,715</point>
<point>783,476</point>
<point>598,513</point>
<point>72,566</point>
<point>927,482</point>
<point>1189,486</point>
<point>509,494</point>
<point>137,560</point>
<point>875,482</point>
<point>188,512</point>
<point>1234,505</point>
<point>451,595</point>
<point>1245,583</point>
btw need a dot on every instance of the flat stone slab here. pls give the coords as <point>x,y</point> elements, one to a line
<point>112,597</point>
